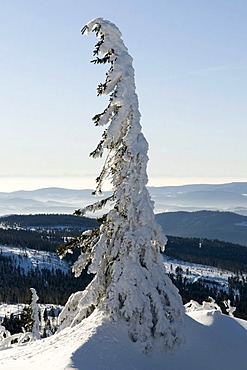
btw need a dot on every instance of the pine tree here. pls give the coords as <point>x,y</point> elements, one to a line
<point>124,252</point>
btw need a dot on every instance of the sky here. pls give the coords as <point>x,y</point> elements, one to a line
<point>190,60</point>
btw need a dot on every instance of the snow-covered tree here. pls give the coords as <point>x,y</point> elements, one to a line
<point>35,314</point>
<point>124,252</point>
<point>229,308</point>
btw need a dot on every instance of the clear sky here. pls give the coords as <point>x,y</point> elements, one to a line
<point>190,59</point>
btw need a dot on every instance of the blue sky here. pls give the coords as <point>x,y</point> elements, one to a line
<point>190,59</point>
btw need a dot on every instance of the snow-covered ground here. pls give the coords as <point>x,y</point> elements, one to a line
<point>193,272</point>
<point>212,341</point>
<point>8,309</point>
<point>31,258</point>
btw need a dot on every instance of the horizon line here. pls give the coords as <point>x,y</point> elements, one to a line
<point>10,188</point>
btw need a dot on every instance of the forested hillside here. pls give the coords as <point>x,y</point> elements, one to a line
<point>46,221</point>
<point>47,232</point>
<point>216,253</point>
<point>42,232</point>
<point>225,226</point>
<point>54,285</point>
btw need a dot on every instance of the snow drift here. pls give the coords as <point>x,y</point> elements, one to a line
<point>213,341</point>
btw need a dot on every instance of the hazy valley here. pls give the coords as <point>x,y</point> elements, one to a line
<point>230,197</point>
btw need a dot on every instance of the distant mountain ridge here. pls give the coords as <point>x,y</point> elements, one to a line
<point>226,226</point>
<point>224,197</point>
<point>230,197</point>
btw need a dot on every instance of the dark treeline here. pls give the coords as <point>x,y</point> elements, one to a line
<point>40,240</point>
<point>42,232</point>
<point>53,286</point>
<point>216,253</point>
<point>52,221</point>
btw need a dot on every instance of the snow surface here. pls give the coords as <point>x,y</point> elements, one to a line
<point>8,309</point>
<point>213,341</point>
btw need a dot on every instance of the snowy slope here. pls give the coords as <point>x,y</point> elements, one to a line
<point>193,272</point>
<point>31,258</point>
<point>213,341</point>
